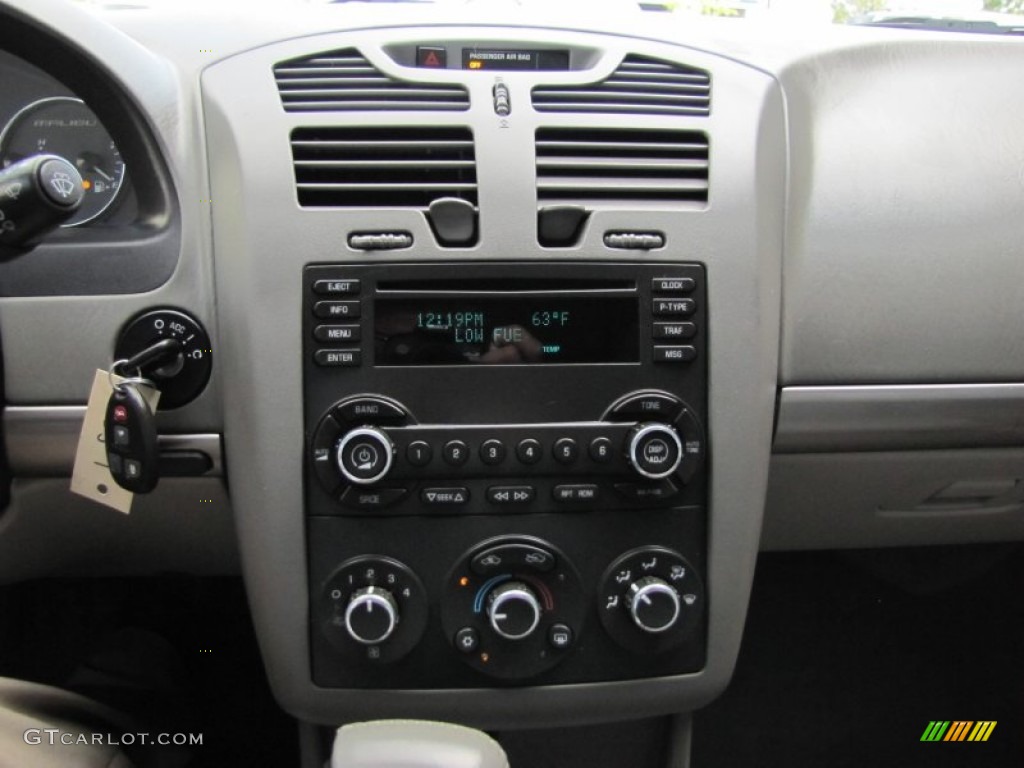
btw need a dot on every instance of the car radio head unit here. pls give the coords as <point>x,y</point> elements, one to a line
<point>505,469</point>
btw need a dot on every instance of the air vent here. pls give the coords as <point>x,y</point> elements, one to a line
<point>344,81</point>
<point>640,86</point>
<point>362,167</point>
<point>599,167</point>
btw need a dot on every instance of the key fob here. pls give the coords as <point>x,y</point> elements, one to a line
<point>130,435</point>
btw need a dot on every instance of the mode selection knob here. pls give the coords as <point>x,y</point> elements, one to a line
<point>364,455</point>
<point>653,605</point>
<point>654,450</point>
<point>513,610</point>
<point>371,615</point>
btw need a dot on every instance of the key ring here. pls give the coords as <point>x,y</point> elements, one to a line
<point>126,381</point>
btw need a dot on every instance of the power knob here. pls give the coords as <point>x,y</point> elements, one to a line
<point>654,450</point>
<point>513,610</point>
<point>653,605</point>
<point>371,615</point>
<point>364,455</point>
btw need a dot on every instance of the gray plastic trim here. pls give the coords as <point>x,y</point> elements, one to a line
<point>41,441</point>
<point>738,238</point>
<point>893,499</point>
<point>885,418</point>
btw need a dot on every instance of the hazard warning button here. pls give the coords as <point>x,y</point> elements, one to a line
<point>431,57</point>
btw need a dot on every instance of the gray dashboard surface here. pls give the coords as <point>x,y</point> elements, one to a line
<point>904,231</point>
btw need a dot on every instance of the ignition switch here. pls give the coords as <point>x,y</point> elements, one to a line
<point>182,368</point>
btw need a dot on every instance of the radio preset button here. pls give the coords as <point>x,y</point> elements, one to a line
<point>511,494</point>
<point>455,453</point>
<point>528,451</point>
<point>674,354</point>
<point>335,287</point>
<point>674,307</point>
<point>442,496</point>
<point>580,492</point>
<point>333,310</point>
<point>673,284</point>
<point>492,452</point>
<point>338,358</point>
<point>601,450</point>
<point>565,450</point>
<point>337,333</point>
<point>419,453</point>
<point>674,330</point>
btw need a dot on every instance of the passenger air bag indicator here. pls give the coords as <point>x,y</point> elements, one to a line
<point>506,59</point>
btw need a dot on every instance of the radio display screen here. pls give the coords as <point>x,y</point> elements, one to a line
<point>505,330</point>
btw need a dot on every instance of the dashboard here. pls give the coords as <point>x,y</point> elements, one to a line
<point>508,347</point>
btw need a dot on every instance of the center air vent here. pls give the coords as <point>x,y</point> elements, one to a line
<point>344,81</point>
<point>610,167</point>
<point>640,86</point>
<point>402,167</point>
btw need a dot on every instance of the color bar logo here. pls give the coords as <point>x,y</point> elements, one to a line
<point>958,730</point>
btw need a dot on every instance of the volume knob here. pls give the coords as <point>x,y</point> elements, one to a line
<point>653,605</point>
<point>371,615</point>
<point>364,455</point>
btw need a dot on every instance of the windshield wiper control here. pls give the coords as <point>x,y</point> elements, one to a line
<point>36,195</point>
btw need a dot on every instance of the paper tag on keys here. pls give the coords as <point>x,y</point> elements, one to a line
<point>91,476</point>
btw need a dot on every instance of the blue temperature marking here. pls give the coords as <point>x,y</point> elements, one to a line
<point>478,601</point>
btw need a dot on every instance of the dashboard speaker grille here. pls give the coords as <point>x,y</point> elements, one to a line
<point>345,81</point>
<point>640,86</point>
<point>600,167</point>
<point>359,167</point>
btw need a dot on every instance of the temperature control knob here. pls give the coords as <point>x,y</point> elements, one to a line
<point>513,610</point>
<point>364,455</point>
<point>655,450</point>
<point>371,615</point>
<point>653,605</point>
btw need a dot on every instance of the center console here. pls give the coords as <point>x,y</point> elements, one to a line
<point>499,369</point>
<point>518,490</point>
